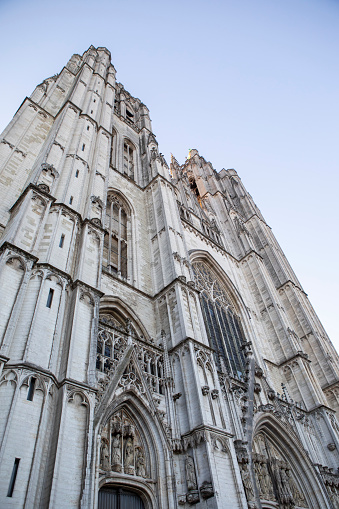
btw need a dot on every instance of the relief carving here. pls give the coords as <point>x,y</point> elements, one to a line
<point>206,490</point>
<point>129,457</point>
<point>122,447</point>
<point>190,474</point>
<point>116,453</point>
<point>205,390</point>
<point>246,480</point>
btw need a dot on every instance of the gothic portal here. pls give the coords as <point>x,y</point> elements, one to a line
<point>157,349</point>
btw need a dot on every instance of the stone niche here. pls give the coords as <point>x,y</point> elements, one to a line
<point>46,178</point>
<point>123,448</point>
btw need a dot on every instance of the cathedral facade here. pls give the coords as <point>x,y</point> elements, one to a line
<point>156,348</point>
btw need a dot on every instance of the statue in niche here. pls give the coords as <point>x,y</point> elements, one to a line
<point>129,457</point>
<point>298,496</point>
<point>259,477</point>
<point>286,487</point>
<point>246,479</point>
<point>116,453</point>
<point>140,464</point>
<point>190,474</point>
<point>104,455</point>
<point>267,483</point>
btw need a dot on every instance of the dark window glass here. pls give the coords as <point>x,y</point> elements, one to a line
<point>50,298</point>
<point>13,477</point>
<point>31,388</point>
<point>223,326</point>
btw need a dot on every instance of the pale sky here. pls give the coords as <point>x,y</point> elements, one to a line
<point>251,84</point>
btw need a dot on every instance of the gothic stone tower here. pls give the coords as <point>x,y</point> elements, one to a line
<point>157,349</point>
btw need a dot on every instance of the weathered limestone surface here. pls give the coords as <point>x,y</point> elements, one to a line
<point>153,336</point>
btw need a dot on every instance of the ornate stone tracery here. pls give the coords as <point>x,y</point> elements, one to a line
<point>222,322</point>
<point>112,341</point>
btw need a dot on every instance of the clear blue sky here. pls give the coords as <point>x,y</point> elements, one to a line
<point>252,84</point>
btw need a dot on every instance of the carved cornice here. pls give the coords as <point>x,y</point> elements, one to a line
<point>249,254</point>
<point>37,106</point>
<point>331,386</point>
<point>78,283</point>
<point>37,189</point>
<point>188,339</point>
<point>299,355</point>
<point>257,217</point>
<point>22,252</point>
<point>55,270</point>
<point>188,226</point>
<point>202,433</point>
<point>76,156</point>
<point>35,369</point>
<point>290,282</point>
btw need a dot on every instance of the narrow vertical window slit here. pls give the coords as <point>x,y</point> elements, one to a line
<point>13,477</point>
<point>50,298</point>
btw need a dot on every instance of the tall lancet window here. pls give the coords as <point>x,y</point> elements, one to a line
<point>221,320</point>
<point>128,159</point>
<point>115,242</point>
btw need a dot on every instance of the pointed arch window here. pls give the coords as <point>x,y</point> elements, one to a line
<point>113,154</point>
<point>222,323</point>
<point>115,240</point>
<point>114,334</point>
<point>129,158</point>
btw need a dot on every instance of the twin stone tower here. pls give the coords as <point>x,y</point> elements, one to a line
<point>156,348</point>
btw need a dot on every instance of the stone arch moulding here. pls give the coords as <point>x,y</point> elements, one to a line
<point>131,238</point>
<point>199,255</point>
<point>141,489</point>
<point>156,453</point>
<point>110,303</point>
<point>17,261</point>
<point>123,198</point>
<point>291,449</point>
<point>220,292</point>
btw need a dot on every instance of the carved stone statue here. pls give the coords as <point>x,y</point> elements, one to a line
<point>193,497</point>
<point>190,474</point>
<point>206,490</point>
<point>287,494</point>
<point>246,479</point>
<point>104,455</point>
<point>140,464</point>
<point>129,457</point>
<point>259,477</point>
<point>267,483</point>
<point>298,496</point>
<point>116,453</point>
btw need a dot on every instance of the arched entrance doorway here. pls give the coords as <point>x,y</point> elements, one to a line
<point>119,498</point>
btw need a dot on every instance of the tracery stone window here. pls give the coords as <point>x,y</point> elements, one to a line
<point>114,334</point>
<point>128,159</point>
<point>222,323</point>
<point>111,343</point>
<point>115,240</point>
